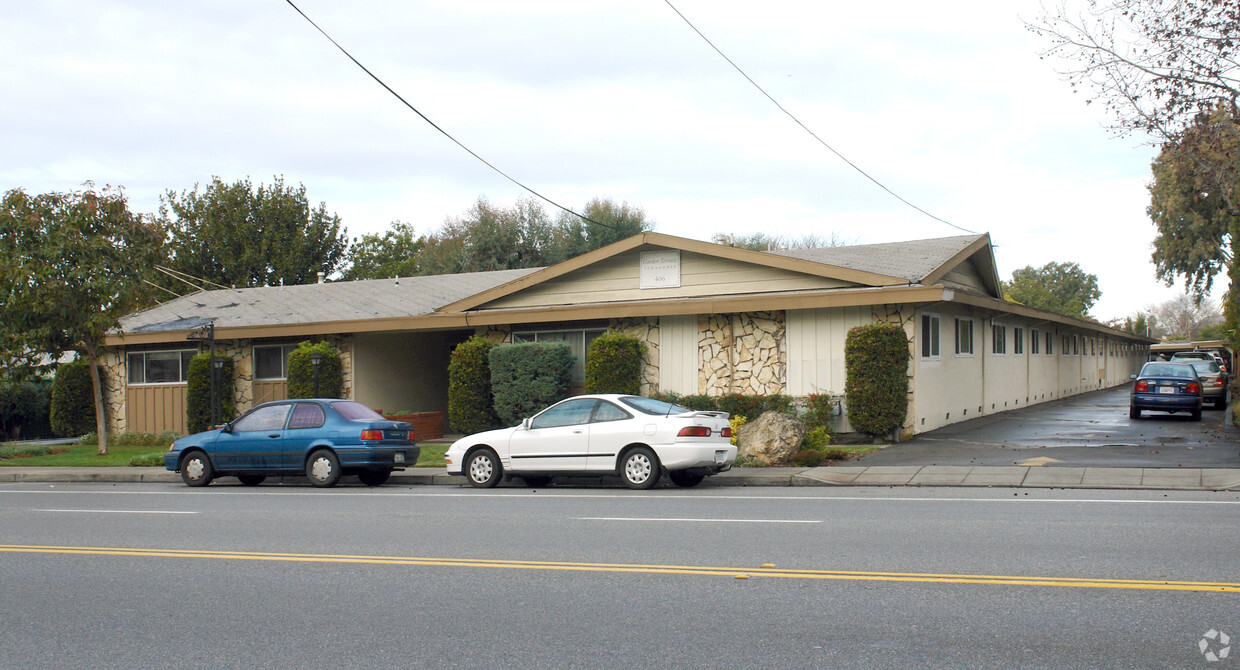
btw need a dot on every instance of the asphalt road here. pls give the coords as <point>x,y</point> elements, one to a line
<point>1091,430</point>
<point>152,575</point>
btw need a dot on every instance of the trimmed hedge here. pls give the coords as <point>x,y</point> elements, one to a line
<point>735,404</point>
<point>527,377</point>
<point>614,364</point>
<point>198,395</point>
<point>73,400</point>
<point>471,407</point>
<point>876,378</point>
<point>301,371</point>
<point>24,410</point>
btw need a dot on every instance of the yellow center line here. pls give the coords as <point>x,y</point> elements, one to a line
<point>715,571</point>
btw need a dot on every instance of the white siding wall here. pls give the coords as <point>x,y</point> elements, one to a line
<point>678,354</point>
<point>816,348</point>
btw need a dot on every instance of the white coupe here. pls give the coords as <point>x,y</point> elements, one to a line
<point>636,438</point>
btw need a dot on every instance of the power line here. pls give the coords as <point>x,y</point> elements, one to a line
<point>445,133</point>
<point>806,128</point>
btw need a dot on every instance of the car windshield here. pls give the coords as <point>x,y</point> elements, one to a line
<point>356,411</point>
<point>1167,370</point>
<point>1205,366</point>
<point>652,406</point>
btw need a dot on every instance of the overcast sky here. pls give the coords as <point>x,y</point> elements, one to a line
<point>947,104</point>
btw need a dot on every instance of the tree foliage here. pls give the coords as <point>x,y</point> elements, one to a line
<point>239,235</point>
<point>1183,318</point>
<point>393,254</point>
<point>1063,288</point>
<point>72,408</point>
<point>768,242</point>
<point>74,263</point>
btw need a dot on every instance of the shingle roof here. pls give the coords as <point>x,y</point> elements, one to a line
<point>316,303</point>
<point>911,260</point>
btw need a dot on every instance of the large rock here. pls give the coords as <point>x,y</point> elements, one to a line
<point>771,439</point>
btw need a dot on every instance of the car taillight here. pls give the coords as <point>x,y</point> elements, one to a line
<point>372,435</point>
<point>1143,387</point>
<point>1218,381</point>
<point>1193,387</point>
<point>726,432</point>
<point>694,431</point>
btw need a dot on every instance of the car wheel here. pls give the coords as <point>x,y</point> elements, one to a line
<point>196,469</point>
<point>1197,414</point>
<point>374,477</point>
<point>1134,413</point>
<point>483,470</point>
<point>251,480</point>
<point>640,468</point>
<point>323,468</point>
<point>685,479</point>
<point>536,482</point>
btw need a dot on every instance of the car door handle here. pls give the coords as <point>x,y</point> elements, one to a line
<point>274,435</point>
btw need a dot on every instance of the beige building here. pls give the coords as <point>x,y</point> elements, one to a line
<point>716,320</point>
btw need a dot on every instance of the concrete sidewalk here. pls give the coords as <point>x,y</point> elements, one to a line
<point>1176,479</point>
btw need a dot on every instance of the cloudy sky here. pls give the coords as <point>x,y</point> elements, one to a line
<point>947,104</point>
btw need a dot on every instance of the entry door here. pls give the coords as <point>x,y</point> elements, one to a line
<point>557,439</point>
<point>256,440</point>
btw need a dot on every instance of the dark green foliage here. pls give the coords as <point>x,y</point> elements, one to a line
<point>1063,288</point>
<point>471,408</point>
<point>614,364</point>
<point>301,373</point>
<point>876,378</point>
<point>392,254</point>
<point>24,410</point>
<point>818,413</point>
<point>198,395</point>
<point>752,406</point>
<point>701,403</point>
<point>527,377</point>
<point>73,400</point>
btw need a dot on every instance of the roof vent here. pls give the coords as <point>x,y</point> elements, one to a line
<point>322,276</point>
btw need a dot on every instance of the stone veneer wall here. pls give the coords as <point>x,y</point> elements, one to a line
<point>742,353</point>
<point>646,330</point>
<point>112,374</point>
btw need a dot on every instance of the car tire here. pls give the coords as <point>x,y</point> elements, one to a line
<point>196,469</point>
<point>640,468</point>
<point>685,479</point>
<point>483,469</point>
<point>374,477</point>
<point>536,482</point>
<point>1197,414</point>
<point>323,468</point>
<point>251,480</point>
<point>1134,413</point>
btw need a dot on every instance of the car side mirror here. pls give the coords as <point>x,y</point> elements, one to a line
<point>226,428</point>
<point>1132,376</point>
<point>525,424</point>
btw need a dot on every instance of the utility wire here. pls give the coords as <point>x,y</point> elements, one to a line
<point>805,128</point>
<point>445,133</point>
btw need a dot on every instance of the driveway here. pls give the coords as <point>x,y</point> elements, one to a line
<point>1089,430</point>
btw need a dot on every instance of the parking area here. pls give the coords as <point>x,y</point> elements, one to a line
<point>1090,430</point>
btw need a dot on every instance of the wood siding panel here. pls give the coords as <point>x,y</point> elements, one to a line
<point>816,348</point>
<point>965,276</point>
<point>678,354</point>
<point>269,390</point>
<point>156,408</point>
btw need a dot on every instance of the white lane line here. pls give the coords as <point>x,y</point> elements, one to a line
<point>627,518</point>
<point>114,511</point>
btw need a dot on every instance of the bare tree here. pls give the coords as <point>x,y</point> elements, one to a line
<point>1182,318</point>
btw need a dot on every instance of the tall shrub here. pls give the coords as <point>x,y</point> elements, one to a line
<point>471,407</point>
<point>198,395</point>
<point>73,400</point>
<point>527,377</point>
<point>614,364</point>
<point>24,410</point>
<point>876,378</point>
<point>301,374</point>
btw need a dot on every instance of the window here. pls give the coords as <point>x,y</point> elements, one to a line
<point>1067,345</point>
<point>1050,343</point>
<point>964,336</point>
<point>1018,340</point>
<point>1033,341</point>
<point>568,413</point>
<point>578,342</point>
<point>159,367</point>
<point>998,339</point>
<point>609,412</point>
<point>929,336</point>
<point>268,417</point>
<point>1075,349</point>
<point>307,415</point>
<point>271,362</point>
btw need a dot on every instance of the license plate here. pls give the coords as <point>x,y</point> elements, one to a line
<point>1166,389</point>
<point>400,457</point>
<point>719,456</point>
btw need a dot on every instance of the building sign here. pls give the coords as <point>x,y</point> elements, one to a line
<point>660,269</point>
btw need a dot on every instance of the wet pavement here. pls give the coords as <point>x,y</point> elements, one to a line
<point>1090,430</point>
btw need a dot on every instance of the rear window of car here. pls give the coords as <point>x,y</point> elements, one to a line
<point>1205,366</point>
<point>652,406</point>
<point>356,411</point>
<point>1167,370</point>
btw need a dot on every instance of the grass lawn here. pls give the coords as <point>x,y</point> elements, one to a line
<point>84,455</point>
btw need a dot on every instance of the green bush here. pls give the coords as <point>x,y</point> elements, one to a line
<point>198,395</point>
<point>147,461</point>
<point>527,377</point>
<point>752,405</point>
<point>817,437</point>
<point>73,400</point>
<point>876,378</point>
<point>301,373</point>
<point>701,403</point>
<point>818,408</point>
<point>614,364</point>
<point>24,410</point>
<point>471,407</point>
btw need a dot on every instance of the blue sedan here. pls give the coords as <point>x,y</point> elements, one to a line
<point>322,439</point>
<point>1166,387</point>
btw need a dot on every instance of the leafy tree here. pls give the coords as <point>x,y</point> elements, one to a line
<point>239,235</point>
<point>765,242</point>
<point>620,221</point>
<point>74,263</point>
<point>1063,288</point>
<point>392,254</point>
<point>1182,317</point>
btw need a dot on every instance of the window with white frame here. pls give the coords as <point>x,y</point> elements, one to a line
<point>929,336</point>
<point>578,341</point>
<point>964,337</point>
<point>1018,340</point>
<point>1033,341</point>
<point>1067,345</point>
<point>271,360</point>
<point>998,338</point>
<point>159,367</point>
